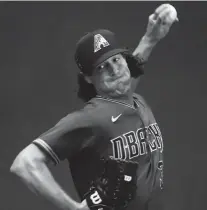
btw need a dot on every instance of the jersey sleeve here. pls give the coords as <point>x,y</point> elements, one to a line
<point>67,137</point>
<point>140,99</point>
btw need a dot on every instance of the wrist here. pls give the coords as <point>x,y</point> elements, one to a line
<point>145,47</point>
<point>70,204</point>
<point>150,41</point>
<point>74,205</point>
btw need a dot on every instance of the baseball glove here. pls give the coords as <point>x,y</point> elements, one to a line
<point>135,64</point>
<point>115,188</point>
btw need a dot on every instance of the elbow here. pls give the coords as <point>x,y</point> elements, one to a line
<point>16,170</point>
<point>19,164</point>
<point>23,162</point>
<point>13,168</point>
<point>28,161</point>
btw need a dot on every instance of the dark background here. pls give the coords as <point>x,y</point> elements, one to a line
<point>38,87</point>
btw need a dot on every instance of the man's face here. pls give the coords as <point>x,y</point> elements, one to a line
<point>112,77</point>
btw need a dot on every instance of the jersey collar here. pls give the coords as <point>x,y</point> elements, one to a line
<point>118,102</point>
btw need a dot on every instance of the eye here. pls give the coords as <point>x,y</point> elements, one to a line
<point>116,59</point>
<point>100,67</point>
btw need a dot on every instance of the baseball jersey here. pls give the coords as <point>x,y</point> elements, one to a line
<point>111,129</point>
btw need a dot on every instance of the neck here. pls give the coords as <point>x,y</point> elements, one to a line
<point>128,98</point>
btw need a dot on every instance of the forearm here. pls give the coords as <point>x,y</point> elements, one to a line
<point>39,179</point>
<point>144,48</point>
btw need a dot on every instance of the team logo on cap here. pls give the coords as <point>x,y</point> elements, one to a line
<point>99,42</point>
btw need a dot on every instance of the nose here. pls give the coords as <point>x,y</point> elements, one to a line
<point>113,69</point>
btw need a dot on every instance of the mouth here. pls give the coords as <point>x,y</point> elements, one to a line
<point>121,78</point>
<point>117,78</point>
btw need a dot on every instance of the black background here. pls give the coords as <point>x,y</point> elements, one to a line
<point>38,87</point>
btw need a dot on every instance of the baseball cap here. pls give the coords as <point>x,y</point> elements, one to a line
<point>96,47</point>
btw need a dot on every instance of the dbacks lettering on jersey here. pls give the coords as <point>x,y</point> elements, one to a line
<point>136,143</point>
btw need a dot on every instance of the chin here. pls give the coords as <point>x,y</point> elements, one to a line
<point>121,90</point>
<point>118,88</point>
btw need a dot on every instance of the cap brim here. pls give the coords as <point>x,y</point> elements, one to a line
<point>108,55</point>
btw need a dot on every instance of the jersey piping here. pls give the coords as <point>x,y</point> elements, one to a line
<point>118,102</point>
<point>47,148</point>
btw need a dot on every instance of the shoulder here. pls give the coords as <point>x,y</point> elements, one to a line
<point>88,116</point>
<point>140,99</point>
<point>76,119</point>
<point>101,110</point>
<point>99,106</point>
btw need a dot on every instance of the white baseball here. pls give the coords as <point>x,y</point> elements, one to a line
<point>173,13</point>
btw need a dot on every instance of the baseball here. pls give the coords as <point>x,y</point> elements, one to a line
<point>173,14</point>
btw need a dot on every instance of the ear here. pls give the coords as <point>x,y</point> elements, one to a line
<point>88,79</point>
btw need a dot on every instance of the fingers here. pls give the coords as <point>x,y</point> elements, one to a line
<point>152,18</point>
<point>160,9</point>
<point>159,18</point>
<point>163,14</point>
<point>159,12</point>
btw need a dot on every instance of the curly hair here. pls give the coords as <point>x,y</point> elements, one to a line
<point>87,91</point>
